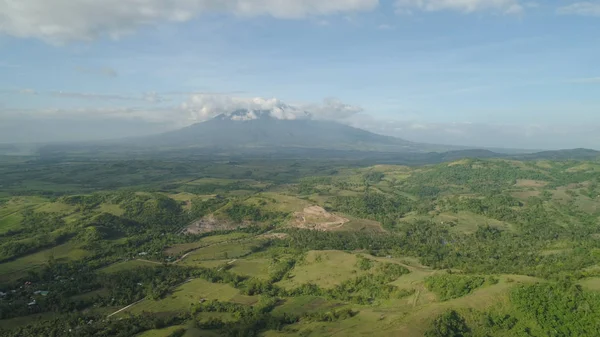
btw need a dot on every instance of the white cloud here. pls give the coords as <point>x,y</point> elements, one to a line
<point>585,8</point>
<point>150,97</point>
<point>585,80</point>
<point>59,21</point>
<point>385,27</point>
<point>28,92</point>
<point>95,96</point>
<point>465,6</point>
<point>202,107</point>
<point>105,71</point>
<point>332,109</point>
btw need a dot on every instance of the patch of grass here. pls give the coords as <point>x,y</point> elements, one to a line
<point>251,267</point>
<point>10,222</point>
<point>277,202</point>
<point>18,268</point>
<point>215,181</point>
<point>56,207</point>
<point>530,183</point>
<point>206,241</point>
<point>323,268</point>
<point>126,265</point>
<point>230,250</point>
<point>524,195</point>
<point>166,332</point>
<point>592,283</point>
<point>304,304</point>
<point>191,293</point>
<point>90,295</point>
<point>183,196</point>
<point>113,209</point>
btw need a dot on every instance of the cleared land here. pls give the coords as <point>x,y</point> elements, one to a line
<point>190,293</point>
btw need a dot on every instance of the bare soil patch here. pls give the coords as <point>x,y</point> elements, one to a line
<point>530,183</point>
<point>209,224</point>
<point>317,218</point>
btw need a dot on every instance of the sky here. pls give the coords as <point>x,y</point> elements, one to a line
<point>493,73</point>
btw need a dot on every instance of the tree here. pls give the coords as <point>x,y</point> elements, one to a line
<point>449,324</point>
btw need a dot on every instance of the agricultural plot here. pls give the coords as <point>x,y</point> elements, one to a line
<point>222,251</point>
<point>18,268</point>
<point>206,241</point>
<point>192,292</point>
<point>323,268</point>
<point>127,265</point>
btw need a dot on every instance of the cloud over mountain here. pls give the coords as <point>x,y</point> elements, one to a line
<point>201,107</point>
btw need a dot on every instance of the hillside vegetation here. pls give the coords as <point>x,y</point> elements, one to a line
<point>286,247</point>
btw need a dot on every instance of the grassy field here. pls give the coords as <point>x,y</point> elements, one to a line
<point>219,252</point>
<point>305,304</point>
<point>166,332</point>
<point>206,241</point>
<point>190,293</point>
<point>465,222</point>
<point>251,267</point>
<point>56,207</point>
<point>10,222</point>
<point>111,209</point>
<point>323,268</point>
<point>279,202</point>
<point>592,283</point>
<point>10,212</point>
<point>409,317</point>
<point>18,268</point>
<point>126,265</point>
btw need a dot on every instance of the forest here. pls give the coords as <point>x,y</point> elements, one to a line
<point>205,246</point>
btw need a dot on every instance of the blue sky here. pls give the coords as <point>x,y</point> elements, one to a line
<point>528,73</point>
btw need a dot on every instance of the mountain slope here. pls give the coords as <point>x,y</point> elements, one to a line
<point>259,129</point>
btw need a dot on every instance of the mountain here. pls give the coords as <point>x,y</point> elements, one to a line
<point>252,128</point>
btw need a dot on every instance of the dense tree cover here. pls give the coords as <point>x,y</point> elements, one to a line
<point>449,324</point>
<point>239,212</point>
<point>475,175</point>
<point>560,309</point>
<point>488,251</point>
<point>495,206</point>
<point>447,287</point>
<point>373,177</point>
<point>375,206</point>
<point>79,325</point>
<point>201,207</point>
<point>38,230</point>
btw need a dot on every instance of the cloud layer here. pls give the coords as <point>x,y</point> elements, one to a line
<point>58,21</point>
<point>516,136</point>
<point>197,107</point>
<point>466,6</point>
<point>585,8</point>
<point>201,107</point>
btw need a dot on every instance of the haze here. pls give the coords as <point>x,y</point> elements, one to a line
<point>493,73</point>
